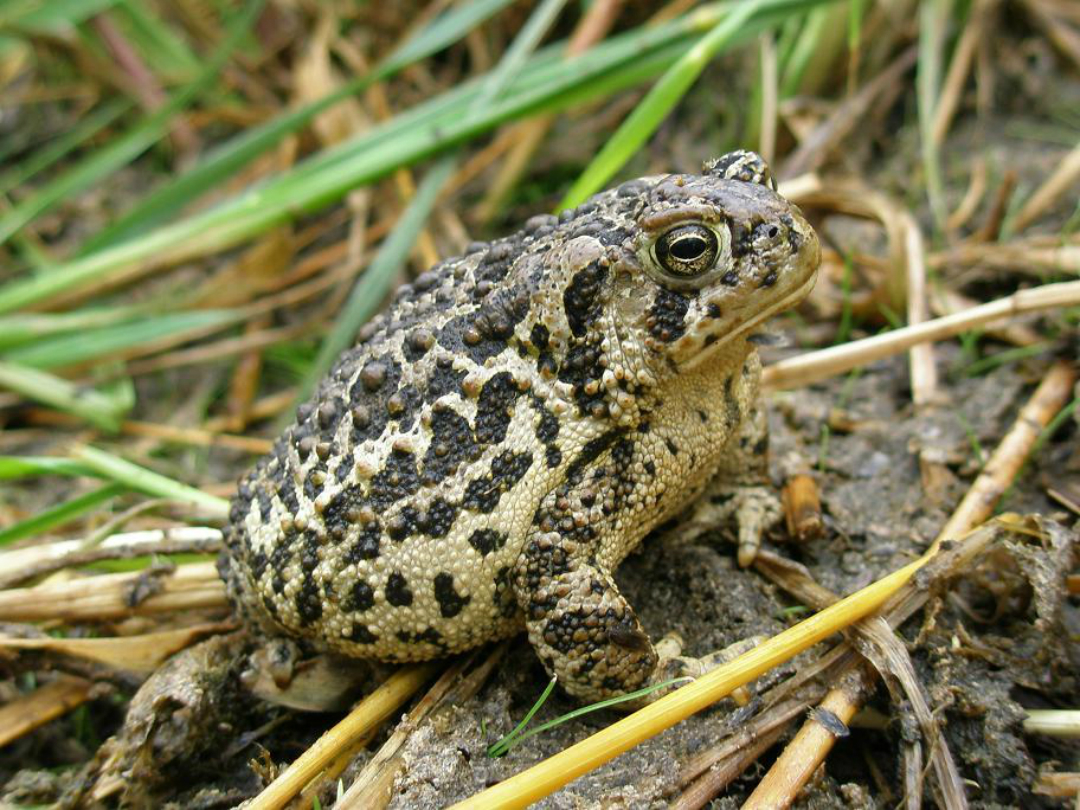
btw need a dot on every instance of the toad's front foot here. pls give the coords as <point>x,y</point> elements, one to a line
<point>587,635</point>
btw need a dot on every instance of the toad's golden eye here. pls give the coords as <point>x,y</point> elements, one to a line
<point>687,251</point>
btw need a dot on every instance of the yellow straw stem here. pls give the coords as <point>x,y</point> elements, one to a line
<point>545,777</point>
<point>368,714</point>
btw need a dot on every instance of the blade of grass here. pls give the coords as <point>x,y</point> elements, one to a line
<point>121,151</point>
<point>802,52</point>
<point>53,17</point>
<point>933,22</point>
<point>665,94</point>
<point>157,42</point>
<point>443,31</point>
<point>233,155</point>
<point>143,480</point>
<point>519,735</point>
<point>16,330</point>
<point>501,747</point>
<point>13,467</point>
<point>514,59</point>
<point>60,514</point>
<point>95,407</point>
<point>80,347</point>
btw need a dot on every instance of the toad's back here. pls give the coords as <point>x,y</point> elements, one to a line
<point>561,390</point>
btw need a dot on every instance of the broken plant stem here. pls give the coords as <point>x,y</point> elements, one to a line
<point>816,366</point>
<point>111,596</point>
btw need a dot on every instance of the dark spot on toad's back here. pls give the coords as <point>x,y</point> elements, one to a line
<point>398,592</point>
<point>450,601</point>
<point>361,634</point>
<point>451,445</point>
<point>367,544</point>
<point>363,597</point>
<point>495,408</point>
<point>486,541</point>
<point>396,481</point>
<point>439,518</point>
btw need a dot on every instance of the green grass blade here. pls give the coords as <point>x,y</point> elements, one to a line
<point>512,61</point>
<point>500,748</point>
<point>60,514</point>
<point>123,150</point>
<point>95,407</point>
<point>933,24</point>
<point>49,16</point>
<point>443,31</point>
<point>159,45</point>
<point>238,152</point>
<point>79,347</point>
<point>13,467</point>
<point>16,330</point>
<point>143,480</point>
<point>807,39</point>
<point>648,115</point>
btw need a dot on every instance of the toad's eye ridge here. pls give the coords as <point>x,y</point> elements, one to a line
<point>686,251</point>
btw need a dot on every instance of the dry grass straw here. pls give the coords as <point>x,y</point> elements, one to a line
<point>1058,785</point>
<point>368,714</point>
<point>44,704</point>
<point>921,356</point>
<point>140,654</point>
<point>25,563</point>
<point>113,596</point>
<point>373,788</point>
<point>170,434</point>
<point>1053,723</point>
<point>815,366</point>
<point>1060,181</point>
<point>814,149</point>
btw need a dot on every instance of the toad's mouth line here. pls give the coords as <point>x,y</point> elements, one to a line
<point>787,301</point>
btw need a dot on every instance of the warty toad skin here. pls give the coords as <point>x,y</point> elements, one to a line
<point>515,423</point>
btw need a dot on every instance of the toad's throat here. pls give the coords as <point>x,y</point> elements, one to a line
<point>788,301</point>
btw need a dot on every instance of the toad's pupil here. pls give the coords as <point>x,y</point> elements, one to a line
<point>688,248</point>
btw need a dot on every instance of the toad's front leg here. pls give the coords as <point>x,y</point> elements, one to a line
<point>586,633</point>
<point>739,490</point>
<point>583,629</point>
